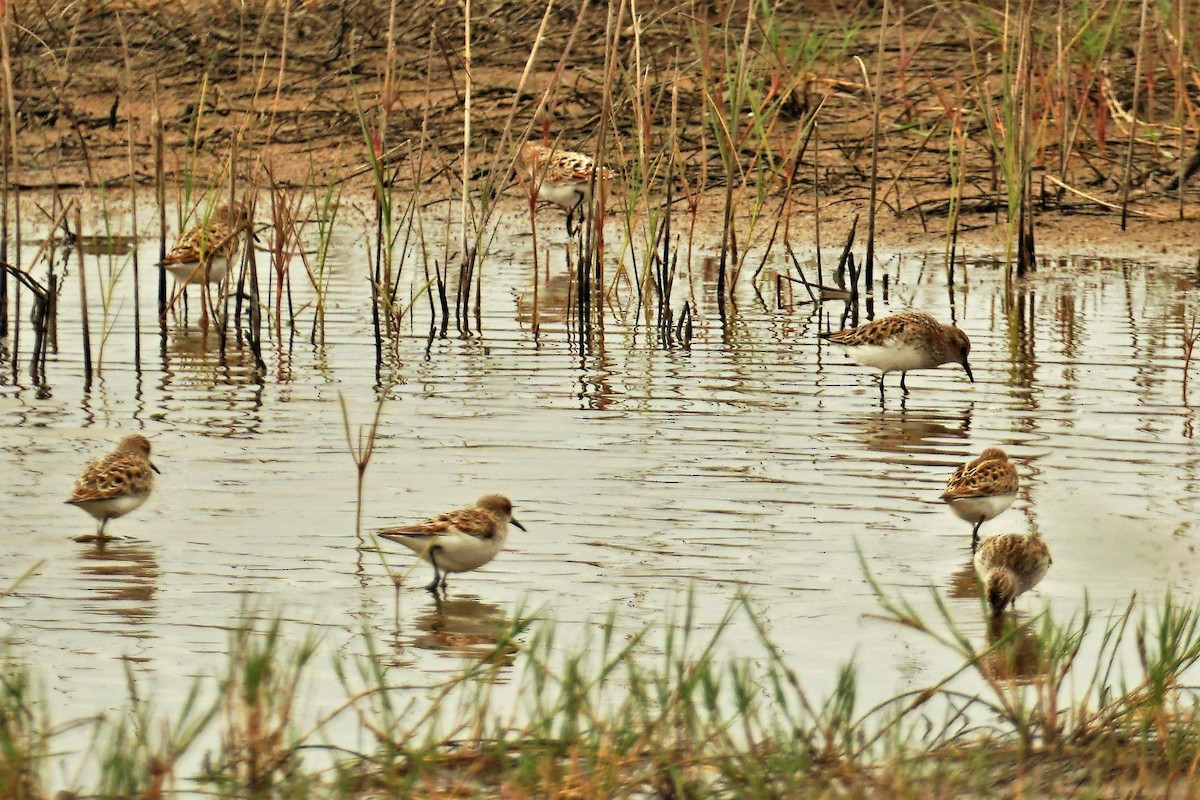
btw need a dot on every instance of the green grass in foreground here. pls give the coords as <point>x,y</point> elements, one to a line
<point>614,718</point>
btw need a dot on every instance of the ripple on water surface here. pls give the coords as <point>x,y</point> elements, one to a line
<point>758,458</point>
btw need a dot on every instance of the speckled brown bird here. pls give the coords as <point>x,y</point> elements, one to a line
<point>1009,565</point>
<point>982,489</point>
<point>204,252</point>
<point>562,177</point>
<point>116,484</point>
<point>460,540</point>
<point>904,341</point>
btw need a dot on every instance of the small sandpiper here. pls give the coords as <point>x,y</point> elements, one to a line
<point>116,484</point>
<point>904,341</point>
<point>562,177</point>
<point>1009,565</point>
<point>204,252</point>
<point>460,540</point>
<point>982,489</point>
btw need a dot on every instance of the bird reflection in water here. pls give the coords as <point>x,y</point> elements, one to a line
<point>122,579</point>
<point>462,627</point>
<point>1018,659</point>
<point>1016,655</point>
<point>900,431</point>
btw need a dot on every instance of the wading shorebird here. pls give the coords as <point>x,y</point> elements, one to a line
<point>461,540</point>
<point>904,341</point>
<point>203,253</point>
<point>562,177</point>
<point>116,484</point>
<point>1009,565</point>
<point>982,489</point>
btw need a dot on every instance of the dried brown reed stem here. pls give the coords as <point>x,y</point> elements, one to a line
<point>469,249</point>
<point>361,450</point>
<point>133,201</point>
<point>1133,124</point>
<point>1191,333</point>
<point>83,302</point>
<point>876,110</point>
<point>160,197</point>
<point>12,177</point>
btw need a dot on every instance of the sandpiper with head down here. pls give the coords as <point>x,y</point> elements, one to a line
<point>1009,565</point>
<point>904,341</point>
<point>116,484</point>
<point>562,177</point>
<point>460,540</point>
<point>982,489</point>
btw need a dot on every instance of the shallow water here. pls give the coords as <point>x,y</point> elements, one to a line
<point>758,459</point>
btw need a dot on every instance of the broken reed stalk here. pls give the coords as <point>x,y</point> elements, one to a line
<point>1191,332</point>
<point>876,110</point>
<point>133,195</point>
<point>361,452</point>
<point>469,252</point>
<point>160,197</point>
<point>1180,92</point>
<point>83,303</point>
<point>1133,122</point>
<point>1026,254</point>
<point>254,305</point>
<point>223,293</point>
<point>12,177</point>
<point>729,152</point>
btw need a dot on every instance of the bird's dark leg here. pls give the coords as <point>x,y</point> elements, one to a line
<point>975,536</point>
<point>437,573</point>
<point>882,375</point>
<point>577,208</point>
<point>903,375</point>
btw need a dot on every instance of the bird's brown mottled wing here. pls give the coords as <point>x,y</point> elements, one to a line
<point>902,325</point>
<point>981,480</point>
<point>215,239</point>
<point>434,526</point>
<point>112,476</point>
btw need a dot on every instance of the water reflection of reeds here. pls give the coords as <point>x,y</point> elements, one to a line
<point>194,368</point>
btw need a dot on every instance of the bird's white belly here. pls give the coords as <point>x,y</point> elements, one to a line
<point>981,509</point>
<point>889,357</point>
<point>563,194</point>
<point>114,507</point>
<point>192,272</point>
<point>457,552</point>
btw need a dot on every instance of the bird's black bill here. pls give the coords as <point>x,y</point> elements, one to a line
<point>156,469</point>
<point>519,525</point>
<point>967,367</point>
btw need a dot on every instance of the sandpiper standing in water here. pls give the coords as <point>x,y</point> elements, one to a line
<point>203,253</point>
<point>1009,565</point>
<point>982,489</point>
<point>116,484</point>
<point>460,540</point>
<point>904,341</point>
<point>562,177</point>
